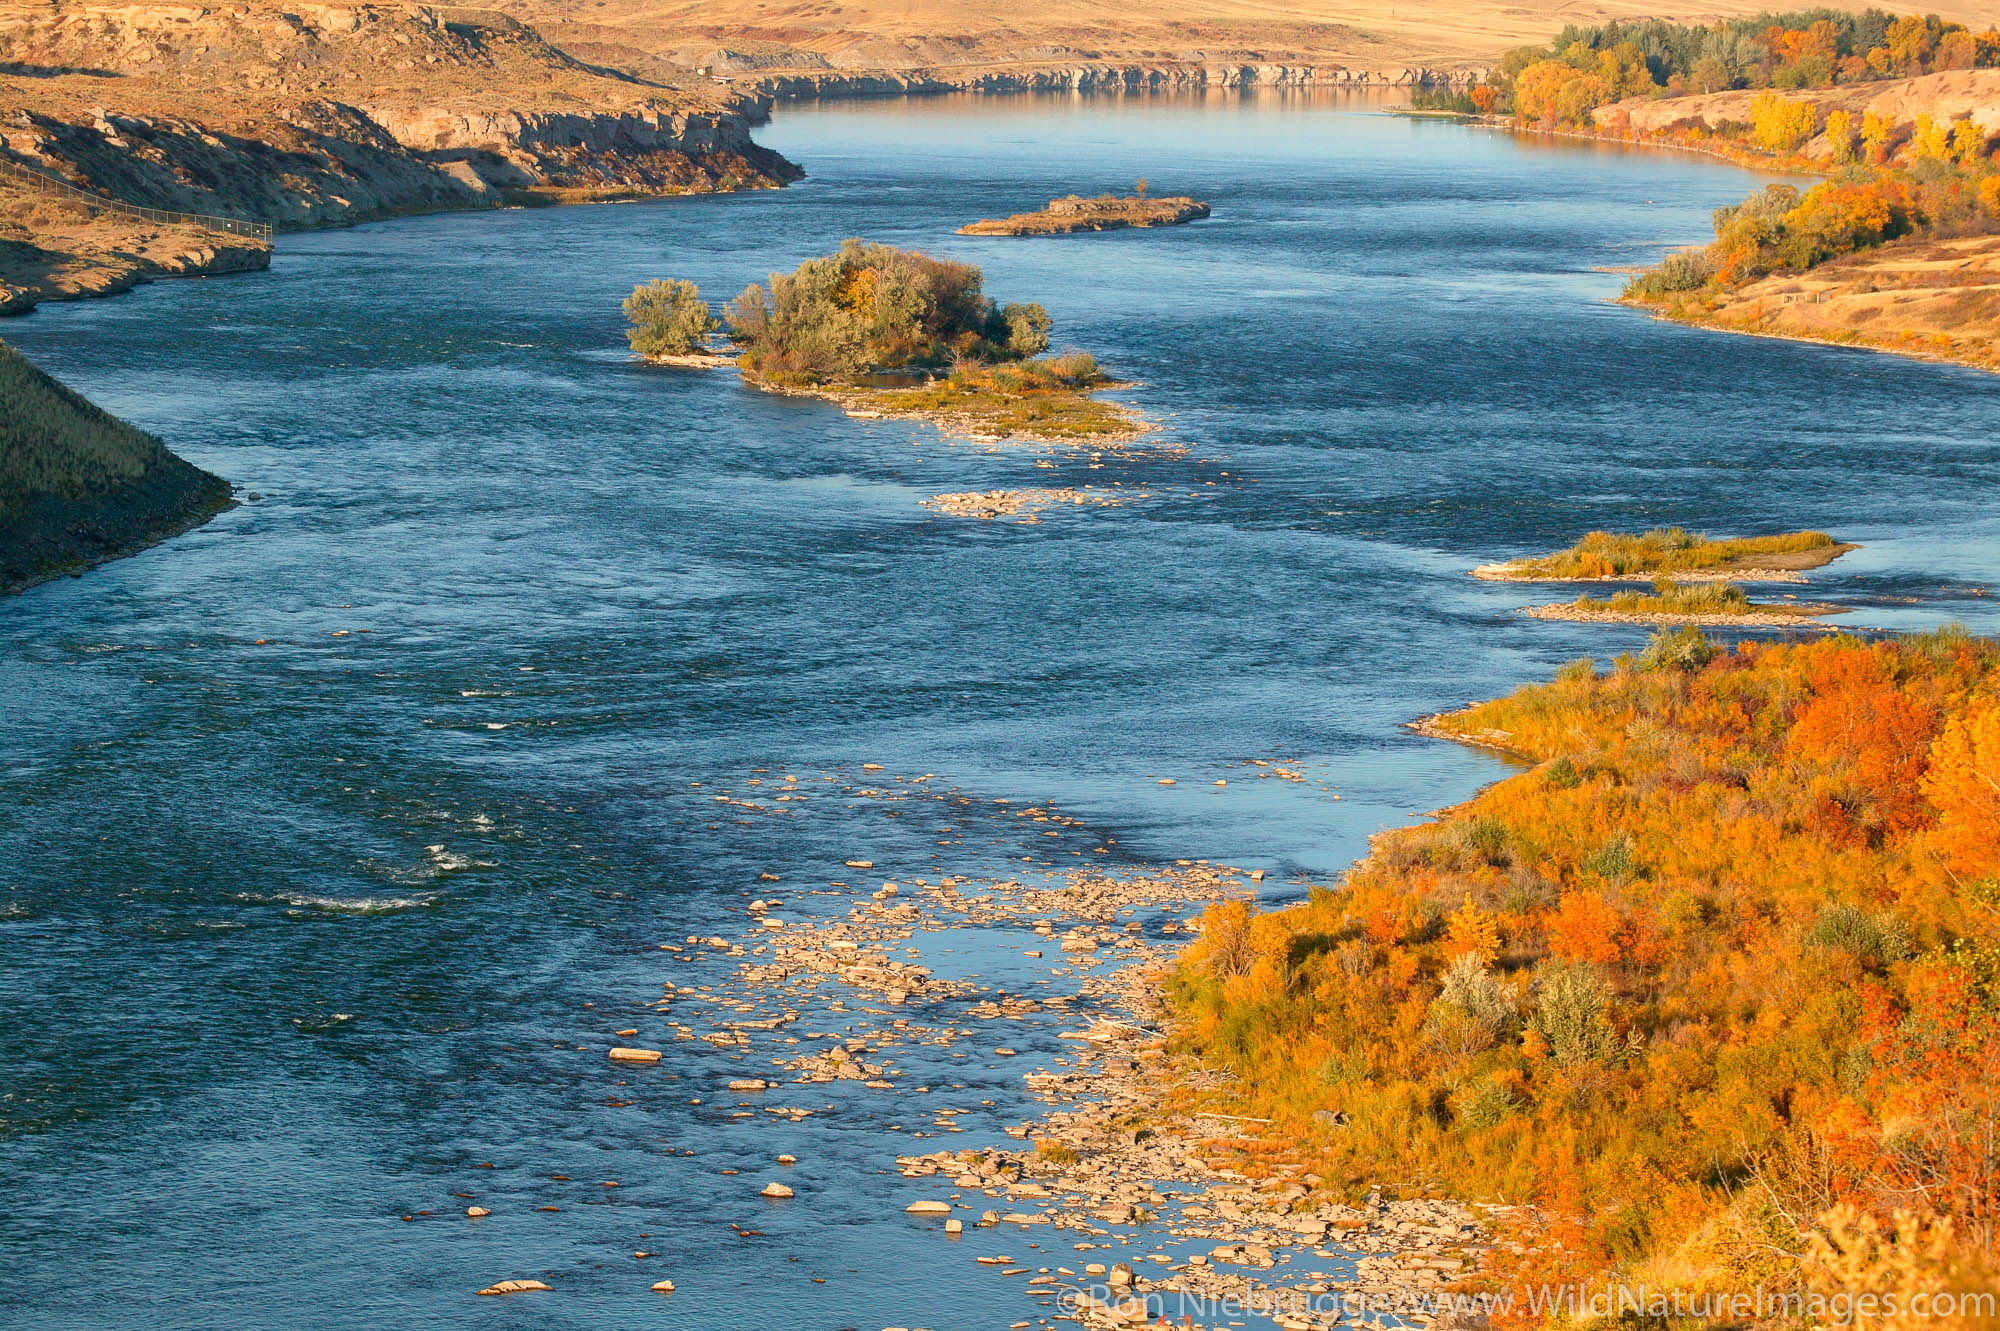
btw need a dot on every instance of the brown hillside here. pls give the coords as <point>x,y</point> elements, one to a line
<point>310,114</point>
<point>745,38</point>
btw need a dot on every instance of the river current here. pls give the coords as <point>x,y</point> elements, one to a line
<point>334,834</point>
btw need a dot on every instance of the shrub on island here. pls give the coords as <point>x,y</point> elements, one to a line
<point>1671,600</point>
<point>869,308</point>
<point>1605,554</point>
<point>669,318</point>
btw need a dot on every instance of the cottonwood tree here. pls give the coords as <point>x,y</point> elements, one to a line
<point>668,317</point>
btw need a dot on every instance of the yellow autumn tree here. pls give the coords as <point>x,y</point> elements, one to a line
<point>1473,933</point>
<point>1877,132</point>
<point>1963,785</point>
<point>1840,136</point>
<point>1932,139</point>
<point>1968,143</point>
<point>1780,123</point>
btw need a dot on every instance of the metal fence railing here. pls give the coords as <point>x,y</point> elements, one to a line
<point>44,182</point>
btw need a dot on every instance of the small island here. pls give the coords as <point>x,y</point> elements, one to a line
<point>890,332</point>
<point>1603,556</point>
<point>1106,212</point>
<point>1703,604</point>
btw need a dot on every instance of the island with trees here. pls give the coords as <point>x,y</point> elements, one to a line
<point>890,332</point>
<point>1106,212</point>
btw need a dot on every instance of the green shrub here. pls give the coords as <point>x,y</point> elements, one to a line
<point>1683,648</point>
<point>1027,329</point>
<point>1873,940</point>
<point>1612,860</point>
<point>1688,270</point>
<point>1485,1106</point>
<point>1570,1004</point>
<point>874,307</point>
<point>1471,1011</point>
<point>668,317</point>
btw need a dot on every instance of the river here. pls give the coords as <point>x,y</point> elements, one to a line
<point>333,833</point>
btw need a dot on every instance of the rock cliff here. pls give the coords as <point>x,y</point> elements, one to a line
<point>317,114</point>
<point>1178,77</point>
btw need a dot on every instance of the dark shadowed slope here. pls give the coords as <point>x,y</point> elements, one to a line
<point>78,485</point>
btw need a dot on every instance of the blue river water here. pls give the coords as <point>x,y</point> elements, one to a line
<point>332,833</point>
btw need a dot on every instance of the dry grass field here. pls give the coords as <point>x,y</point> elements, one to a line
<point>937,35</point>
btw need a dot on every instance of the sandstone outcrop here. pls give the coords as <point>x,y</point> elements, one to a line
<point>322,114</point>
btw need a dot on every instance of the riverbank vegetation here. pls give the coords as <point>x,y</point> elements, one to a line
<point>1883,106</point>
<point>1586,67</point>
<point>1604,554</point>
<point>1043,397</point>
<point>78,485</point>
<point>906,333</point>
<point>1714,988</point>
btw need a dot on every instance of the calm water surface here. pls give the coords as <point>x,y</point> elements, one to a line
<point>301,933</point>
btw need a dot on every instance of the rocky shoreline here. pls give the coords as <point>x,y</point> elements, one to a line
<point>1112,1207</point>
<point>324,115</point>
<point>693,360</point>
<point>110,260</point>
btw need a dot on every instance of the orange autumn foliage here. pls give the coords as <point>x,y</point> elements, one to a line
<point>1861,725</point>
<point>1963,784</point>
<point>1584,928</point>
<point>1743,969</point>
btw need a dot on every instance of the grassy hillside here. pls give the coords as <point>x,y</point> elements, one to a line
<point>78,485</point>
<point>1713,988</point>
